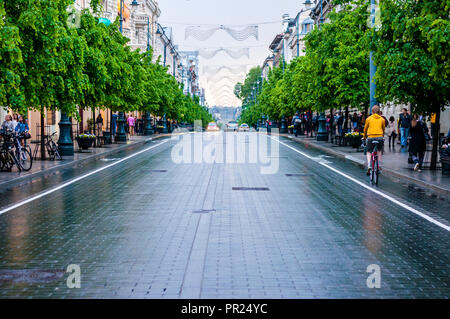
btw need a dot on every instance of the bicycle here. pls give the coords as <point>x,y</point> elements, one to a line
<point>374,164</point>
<point>52,148</point>
<point>22,153</point>
<point>7,155</point>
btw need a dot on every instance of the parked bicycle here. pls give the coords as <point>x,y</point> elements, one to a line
<point>13,153</point>
<point>52,148</point>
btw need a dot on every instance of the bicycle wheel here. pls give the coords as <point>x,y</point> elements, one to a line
<point>377,171</point>
<point>25,160</point>
<point>13,161</point>
<point>372,169</point>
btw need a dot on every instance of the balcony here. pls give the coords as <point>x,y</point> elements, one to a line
<point>141,19</point>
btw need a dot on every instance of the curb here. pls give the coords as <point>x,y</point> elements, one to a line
<point>52,170</point>
<point>362,163</point>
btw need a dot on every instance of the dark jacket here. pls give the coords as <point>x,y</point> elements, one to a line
<point>418,142</point>
<point>405,121</point>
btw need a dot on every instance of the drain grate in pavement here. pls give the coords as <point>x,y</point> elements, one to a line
<point>203,211</point>
<point>251,188</point>
<point>30,276</point>
<point>300,174</point>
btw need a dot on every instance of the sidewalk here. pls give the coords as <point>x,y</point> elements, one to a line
<point>394,163</point>
<point>47,167</point>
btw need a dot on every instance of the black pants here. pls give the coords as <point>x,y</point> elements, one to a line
<point>392,137</point>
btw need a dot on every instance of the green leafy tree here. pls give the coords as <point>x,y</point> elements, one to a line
<point>11,63</point>
<point>411,52</point>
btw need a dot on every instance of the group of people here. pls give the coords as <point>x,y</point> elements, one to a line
<point>409,127</point>
<point>15,123</point>
<point>305,123</point>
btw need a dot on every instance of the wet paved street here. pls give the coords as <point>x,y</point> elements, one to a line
<point>146,227</point>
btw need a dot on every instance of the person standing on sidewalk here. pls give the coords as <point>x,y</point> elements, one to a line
<point>392,132</point>
<point>99,122</point>
<point>418,143</point>
<point>405,125</point>
<point>297,123</point>
<point>131,122</point>
<point>8,125</point>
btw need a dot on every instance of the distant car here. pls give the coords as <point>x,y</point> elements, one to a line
<point>213,127</point>
<point>232,126</point>
<point>244,127</point>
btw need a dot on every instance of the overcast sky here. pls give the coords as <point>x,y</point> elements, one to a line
<point>181,13</point>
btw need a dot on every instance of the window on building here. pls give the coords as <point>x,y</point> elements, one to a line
<point>51,117</point>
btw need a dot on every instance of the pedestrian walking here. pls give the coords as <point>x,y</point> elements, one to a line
<point>404,127</point>
<point>418,142</point>
<point>296,120</point>
<point>392,131</point>
<point>99,123</point>
<point>340,123</point>
<point>131,121</point>
<point>355,121</point>
<point>114,117</point>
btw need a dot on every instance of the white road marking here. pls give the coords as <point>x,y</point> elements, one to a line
<point>395,201</point>
<point>31,199</point>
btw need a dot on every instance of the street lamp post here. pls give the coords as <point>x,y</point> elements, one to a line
<point>373,68</point>
<point>148,118</point>
<point>121,135</point>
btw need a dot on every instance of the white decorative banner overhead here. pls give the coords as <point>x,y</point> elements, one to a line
<point>202,34</point>
<point>232,69</point>
<point>235,54</point>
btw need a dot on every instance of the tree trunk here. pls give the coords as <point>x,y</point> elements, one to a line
<point>436,136</point>
<point>80,126</point>
<point>42,135</point>
<point>346,120</point>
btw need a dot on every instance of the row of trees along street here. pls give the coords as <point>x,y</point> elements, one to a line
<point>47,63</point>
<point>410,50</point>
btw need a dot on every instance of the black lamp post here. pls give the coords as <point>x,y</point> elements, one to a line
<point>65,143</point>
<point>121,135</point>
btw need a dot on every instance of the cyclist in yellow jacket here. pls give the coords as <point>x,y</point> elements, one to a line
<point>374,130</point>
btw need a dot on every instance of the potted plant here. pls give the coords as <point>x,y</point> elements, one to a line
<point>354,139</point>
<point>85,141</point>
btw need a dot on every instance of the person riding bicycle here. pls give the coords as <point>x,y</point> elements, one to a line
<point>374,131</point>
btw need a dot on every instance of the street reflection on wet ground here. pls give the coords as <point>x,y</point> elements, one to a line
<point>150,228</point>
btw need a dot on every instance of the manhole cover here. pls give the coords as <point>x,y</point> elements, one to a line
<point>299,174</point>
<point>250,188</point>
<point>203,211</point>
<point>30,276</point>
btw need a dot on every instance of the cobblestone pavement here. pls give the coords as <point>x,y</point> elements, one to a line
<point>146,227</point>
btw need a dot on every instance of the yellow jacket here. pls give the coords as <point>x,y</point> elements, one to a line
<point>375,126</point>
